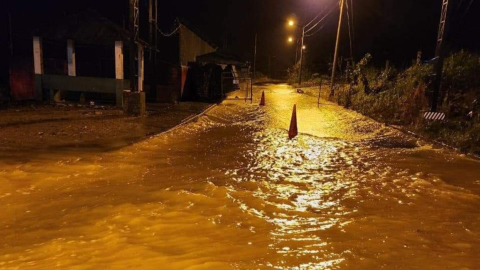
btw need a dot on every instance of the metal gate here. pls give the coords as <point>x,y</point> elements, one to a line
<point>241,81</point>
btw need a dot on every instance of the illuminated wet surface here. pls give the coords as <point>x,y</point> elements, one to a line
<point>232,192</point>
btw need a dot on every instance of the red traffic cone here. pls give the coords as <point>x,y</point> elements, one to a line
<point>293,132</point>
<point>262,101</point>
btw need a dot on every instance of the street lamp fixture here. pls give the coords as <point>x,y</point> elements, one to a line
<point>291,23</point>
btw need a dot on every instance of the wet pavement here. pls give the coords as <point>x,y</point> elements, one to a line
<point>230,191</point>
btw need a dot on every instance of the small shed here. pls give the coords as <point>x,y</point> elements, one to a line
<point>176,52</point>
<point>214,74</point>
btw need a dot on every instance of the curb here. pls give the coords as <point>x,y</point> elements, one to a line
<point>418,136</point>
<point>432,141</point>
<point>187,120</point>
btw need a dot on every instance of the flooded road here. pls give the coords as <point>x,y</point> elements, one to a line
<point>230,191</point>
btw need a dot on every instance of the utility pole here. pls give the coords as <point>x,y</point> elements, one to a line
<point>296,55</point>
<point>255,58</point>
<point>150,21</point>
<point>274,65</point>
<point>350,30</point>
<point>301,57</point>
<point>10,34</point>
<point>155,12</point>
<point>270,65</point>
<point>334,66</point>
<point>134,28</point>
<point>153,31</point>
<point>10,45</point>
<point>440,52</point>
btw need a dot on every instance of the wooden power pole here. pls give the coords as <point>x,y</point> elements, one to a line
<point>255,58</point>
<point>301,57</point>
<point>335,58</point>
<point>10,35</point>
<point>440,52</point>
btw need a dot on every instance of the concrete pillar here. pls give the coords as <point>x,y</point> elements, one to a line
<point>141,65</point>
<point>119,74</point>
<point>72,68</point>
<point>38,66</point>
<point>72,71</point>
<point>38,55</point>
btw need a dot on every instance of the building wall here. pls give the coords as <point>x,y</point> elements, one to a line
<point>22,80</point>
<point>191,46</point>
<point>173,68</point>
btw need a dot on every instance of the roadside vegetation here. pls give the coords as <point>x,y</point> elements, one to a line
<point>400,97</point>
<point>261,78</point>
<point>309,78</point>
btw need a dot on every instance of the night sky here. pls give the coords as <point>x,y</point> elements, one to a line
<point>393,30</point>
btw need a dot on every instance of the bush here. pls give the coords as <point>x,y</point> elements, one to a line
<point>308,77</point>
<point>387,95</point>
<point>292,74</point>
<point>400,97</point>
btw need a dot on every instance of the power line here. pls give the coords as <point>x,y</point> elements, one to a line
<point>353,21</point>
<point>349,29</point>
<point>169,34</point>
<point>467,10</point>
<point>321,20</point>
<point>316,17</point>
<point>316,32</point>
<point>459,5</point>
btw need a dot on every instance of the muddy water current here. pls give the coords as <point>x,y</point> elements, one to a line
<point>230,191</point>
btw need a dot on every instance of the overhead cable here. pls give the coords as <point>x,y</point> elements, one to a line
<point>314,33</point>
<point>169,34</point>
<point>321,20</point>
<point>349,28</point>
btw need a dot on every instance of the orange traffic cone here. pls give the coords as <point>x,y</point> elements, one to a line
<point>262,101</point>
<point>293,132</point>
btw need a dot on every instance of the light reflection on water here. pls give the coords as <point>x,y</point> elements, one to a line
<point>232,192</point>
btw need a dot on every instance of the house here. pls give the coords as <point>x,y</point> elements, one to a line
<point>176,53</point>
<point>77,56</point>
<point>215,74</point>
<point>82,56</point>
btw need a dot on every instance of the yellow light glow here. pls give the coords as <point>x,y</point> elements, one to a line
<point>304,47</point>
<point>290,39</point>
<point>291,23</point>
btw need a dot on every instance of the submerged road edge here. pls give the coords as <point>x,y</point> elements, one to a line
<point>187,120</point>
<point>432,141</point>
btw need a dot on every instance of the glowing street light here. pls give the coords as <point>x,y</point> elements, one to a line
<point>291,23</point>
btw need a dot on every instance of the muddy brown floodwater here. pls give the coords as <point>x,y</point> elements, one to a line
<point>230,191</point>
